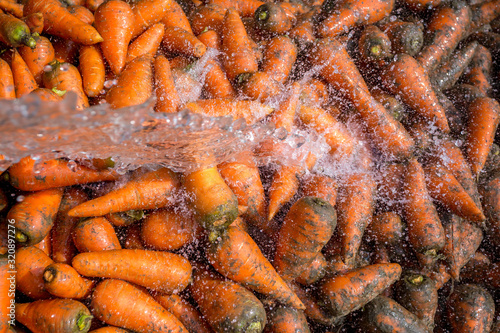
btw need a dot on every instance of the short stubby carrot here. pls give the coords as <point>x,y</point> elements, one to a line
<point>30,264</point>
<point>236,256</point>
<point>24,81</point>
<point>62,280</point>
<point>147,42</point>
<point>157,270</point>
<point>38,57</point>
<point>167,97</point>
<point>286,319</point>
<point>95,234</point>
<point>271,18</point>
<point>92,68</point>
<point>122,304</point>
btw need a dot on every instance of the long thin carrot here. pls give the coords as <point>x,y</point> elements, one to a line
<point>251,111</point>
<point>54,315</point>
<point>147,42</point>
<point>24,81</point>
<point>347,14</point>
<point>167,98</point>
<point>115,22</point>
<point>60,22</point>
<point>134,84</point>
<point>216,84</point>
<point>150,190</point>
<point>122,304</point>
<point>345,293</point>
<point>53,173</point>
<point>37,58</point>
<point>34,216</point>
<point>61,280</point>
<point>187,313</point>
<point>157,270</point>
<point>95,234</point>
<point>30,264</point>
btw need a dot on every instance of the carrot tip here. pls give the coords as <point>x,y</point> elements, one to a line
<point>83,322</point>
<point>29,41</point>
<point>254,327</point>
<point>21,237</point>
<point>415,279</point>
<point>48,275</point>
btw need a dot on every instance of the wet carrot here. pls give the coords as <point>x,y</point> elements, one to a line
<point>157,270</point>
<point>490,192</point>
<point>245,8</point>
<point>179,41</point>
<point>7,88</point>
<point>92,68</point>
<point>286,319</point>
<point>210,38</point>
<point>82,12</point>
<point>279,58</point>
<point>189,316</point>
<point>45,94</point>
<point>54,315</point>
<point>30,264</point>
<point>425,231</point>
<point>28,176</point>
<point>302,32</point>
<point>147,42</point>
<point>24,81</point>
<point>134,84</point>
<point>95,234</point>
<point>374,48</point>
<point>314,272</point>
<point>390,185</point>
<point>271,18</point>
<point>115,22</point>
<point>238,56</point>
<point>60,22</point>
<point>147,13</point>
<point>34,22</point>
<point>207,17</point>
<point>259,86</point>
<point>37,58</point>
<point>445,189</point>
<point>445,29</point>
<point>251,111</point>
<point>405,37</point>
<point>386,228</point>
<point>63,248</point>
<point>175,16</point>
<point>470,307</point>
<point>168,230</point>
<point>217,85</point>
<point>285,184</point>
<point>406,78</point>
<point>348,292</point>
<point>63,281</point>
<point>321,186</point>
<point>111,303</point>
<point>341,16</point>
<point>479,72</point>
<point>314,309</point>
<point>14,32</point>
<point>484,117</point>
<point>12,7</point>
<point>483,13</point>
<point>226,305</point>
<point>166,93</point>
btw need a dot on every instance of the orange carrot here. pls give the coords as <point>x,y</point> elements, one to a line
<point>251,111</point>
<point>8,290</point>
<point>28,176</point>
<point>34,216</point>
<point>216,84</point>
<point>207,17</point>
<point>314,272</point>
<point>302,32</point>
<point>345,293</point>
<point>63,248</point>
<point>374,48</point>
<point>45,94</point>
<point>425,231</point>
<point>245,8</point>
<point>115,22</point>
<point>157,270</point>
<point>483,13</point>
<point>60,22</point>
<point>210,38</point>
<point>95,234</point>
<point>45,245</point>
<point>7,89</point>
<point>284,114</point>
<point>54,315</point>
<point>93,4</point>
<point>445,29</point>
<point>65,76</point>
<point>484,117</point>
<point>343,15</point>
<point>271,18</point>
<point>185,312</point>
<point>238,56</point>
<point>259,86</point>
<point>279,57</point>
<point>12,7</point>
<point>92,69</point>
<point>386,229</point>
<point>243,178</point>
<point>310,222</point>
<point>24,82</point>
<point>82,13</point>
<point>479,72</point>
<point>321,186</point>
<point>147,42</point>
<point>149,190</point>
<point>175,16</point>
<point>14,32</point>
<point>135,84</point>
<point>285,184</point>
<point>147,13</point>
<point>166,229</point>
<point>490,192</point>
<point>36,59</point>
<point>34,22</point>
<point>406,78</point>
<point>179,41</point>
<point>61,280</point>
<point>314,309</point>
<point>111,303</point>
<point>30,264</point>
<point>226,305</point>
<point>167,98</point>
<point>286,319</point>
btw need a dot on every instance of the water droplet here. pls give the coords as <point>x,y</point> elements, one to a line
<point>20,198</point>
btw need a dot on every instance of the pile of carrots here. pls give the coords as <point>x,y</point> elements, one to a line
<point>395,229</point>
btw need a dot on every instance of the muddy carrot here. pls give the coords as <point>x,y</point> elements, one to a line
<point>54,315</point>
<point>134,84</point>
<point>30,264</point>
<point>92,69</point>
<point>314,309</point>
<point>386,228</point>
<point>345,293</point>
<point>314,272</point>
<point>122,304</point>
<point>445,29</point>
<point>115,22</point>
<point>425,231</point>
<point>168,229</point>
<point>207,17</point>
<point>374,48</point>
<point>60,22</point>
<point>34,216</point>
<point>95,234</point>
<point>14,32</point>
<point>157,270</point>
<point>24,81</point>
<point>321,186</point>
<point>34,22</point>
<point>483,13</point>
<point>63,248</point>
<point>490,192</point>
<point>238,56</point>
<point>484,117</point>
<point>226,305</point>
<point>341,16</point>
<point>7,89</point>
<point>147,42</point>
<point>37,58</point>
<point>63,281</point>
<point>286,319</point>
<point>271,18</point>
<point>189,316</point>
<point>479,72</point>
<point>405,37</point>
<point>406,78</point>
